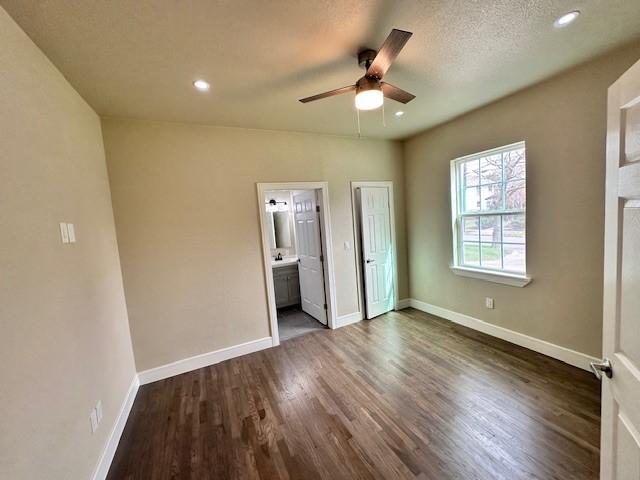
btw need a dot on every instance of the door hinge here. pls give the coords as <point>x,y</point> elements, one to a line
<point>325,306</point>
<point>322,258</point>
<point>318,208</point>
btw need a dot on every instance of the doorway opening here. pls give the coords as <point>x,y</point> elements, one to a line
<point>376,254</point>
<point>296,240</point>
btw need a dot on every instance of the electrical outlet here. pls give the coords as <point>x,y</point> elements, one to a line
<point>99,411</point>
<point>93,419</point>
<point>488,302</point>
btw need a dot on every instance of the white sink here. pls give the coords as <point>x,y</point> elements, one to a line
<point>289,260</point>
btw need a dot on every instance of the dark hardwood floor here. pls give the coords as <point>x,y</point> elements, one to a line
<point>406,395</point>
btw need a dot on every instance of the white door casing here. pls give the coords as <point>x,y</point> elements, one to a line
<point>377,250</point>
<point>309,249</point>
<point>620,441</point>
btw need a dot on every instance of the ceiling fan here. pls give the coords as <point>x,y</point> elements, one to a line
<point>370,89</point>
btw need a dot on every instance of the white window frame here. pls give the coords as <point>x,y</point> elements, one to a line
<point>515,279</point>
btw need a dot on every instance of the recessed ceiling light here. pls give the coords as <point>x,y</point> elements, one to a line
<point>201,85</point>
<point>566,19</point>
<point>399,113</point>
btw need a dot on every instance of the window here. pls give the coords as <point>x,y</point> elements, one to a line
<point>489,211</point>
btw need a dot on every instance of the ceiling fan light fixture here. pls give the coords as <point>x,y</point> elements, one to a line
<point>369,94</point>
<point>369,99</point>
<point>370,89</point>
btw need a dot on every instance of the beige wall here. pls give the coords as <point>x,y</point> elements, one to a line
<point>185,204</point>
<point>563,122</point>
<point>64,336</point>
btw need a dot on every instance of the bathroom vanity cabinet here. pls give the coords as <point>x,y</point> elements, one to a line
<point>287,285</point>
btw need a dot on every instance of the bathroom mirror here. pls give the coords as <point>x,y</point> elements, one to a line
<point>281,229</point>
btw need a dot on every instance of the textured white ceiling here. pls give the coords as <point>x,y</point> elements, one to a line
<point>137,58</point>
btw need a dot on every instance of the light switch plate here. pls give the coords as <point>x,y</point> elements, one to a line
<point>93,419</point>
<point>64,232</point>
<point>488,302</point>
<point>99,411</point>
<point>72,233</point>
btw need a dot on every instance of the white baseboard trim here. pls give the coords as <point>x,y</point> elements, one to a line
<point>572,357</point>
<point>344,320</point>
<point>403,303</point>
<point>102,469</point>
<point>203,360</point>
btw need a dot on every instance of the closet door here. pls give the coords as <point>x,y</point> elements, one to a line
<point>377,250</point>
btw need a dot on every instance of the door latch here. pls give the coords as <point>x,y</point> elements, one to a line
<point>604,366</point>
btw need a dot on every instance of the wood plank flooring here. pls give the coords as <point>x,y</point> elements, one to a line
<point>406,395</point>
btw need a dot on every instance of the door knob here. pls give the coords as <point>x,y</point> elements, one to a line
<point>604,366</point>
<point>370,261</point>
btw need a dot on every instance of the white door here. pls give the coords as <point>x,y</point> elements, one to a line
<point>620,443</point>
<point>307,220</point>
<point>377,250</point>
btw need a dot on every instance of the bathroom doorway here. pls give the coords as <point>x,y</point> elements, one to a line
<point>296,239</point>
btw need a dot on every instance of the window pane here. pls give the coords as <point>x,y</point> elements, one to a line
<point>471,201</point>
<point>514,258</point>
<point>491,197</point>
<point>470,173</point>
<point>470,230</point>
<point>514,165</point>
<point>490,229</point>
<point>513,228</point>
<point>487,185</point>
<point>491,255</point>
<point>491,169</point>
<point>515,195</point>
<point>471,254</point>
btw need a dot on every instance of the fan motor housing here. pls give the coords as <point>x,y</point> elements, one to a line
<point>365,58</point>
<point>368,83</point>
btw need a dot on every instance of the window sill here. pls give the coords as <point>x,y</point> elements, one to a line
<point>495,277</point>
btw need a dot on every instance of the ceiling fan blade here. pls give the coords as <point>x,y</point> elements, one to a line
<point>388,52</point>
<point>395,93</point>
<point>330,93</point>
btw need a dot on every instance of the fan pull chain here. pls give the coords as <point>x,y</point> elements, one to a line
<point>358,116</point>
